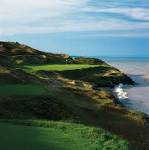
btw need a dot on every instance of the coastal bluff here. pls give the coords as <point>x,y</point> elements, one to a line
<point>38,85</point>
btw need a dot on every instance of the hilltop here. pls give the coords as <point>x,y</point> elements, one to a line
<point>37,86</point>
<point>16,54</point>
<point>22,54</point>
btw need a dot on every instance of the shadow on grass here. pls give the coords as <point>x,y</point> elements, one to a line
<point>96,75</point>
<point>111,119</point>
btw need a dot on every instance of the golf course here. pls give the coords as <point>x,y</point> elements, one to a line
<point>57,102</point>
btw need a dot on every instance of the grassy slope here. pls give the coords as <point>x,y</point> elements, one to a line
<point>57,136</point>
<point>80,107</point>
<point>29,101</point>
<point>68,99</point>
<point>84,105</point>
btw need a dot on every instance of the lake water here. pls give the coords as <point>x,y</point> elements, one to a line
<point>138,70</point>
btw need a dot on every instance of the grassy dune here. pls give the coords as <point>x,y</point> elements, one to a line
<point>43,86</point>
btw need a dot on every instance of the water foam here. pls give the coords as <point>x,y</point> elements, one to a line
<point>119,91</point>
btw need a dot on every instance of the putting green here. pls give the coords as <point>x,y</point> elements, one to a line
<point>59,67</point>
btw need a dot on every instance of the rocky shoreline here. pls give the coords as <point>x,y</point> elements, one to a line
<point>116,100</point>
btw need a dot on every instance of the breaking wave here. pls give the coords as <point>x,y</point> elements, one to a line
<point>120,93</point>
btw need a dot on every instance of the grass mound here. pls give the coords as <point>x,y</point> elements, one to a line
<point>45,135</point>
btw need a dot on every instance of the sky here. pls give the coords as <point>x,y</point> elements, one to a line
<point>78,27</point>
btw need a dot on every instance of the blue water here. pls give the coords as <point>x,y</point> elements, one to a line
<point>106,58</point>
<point>138,70</point>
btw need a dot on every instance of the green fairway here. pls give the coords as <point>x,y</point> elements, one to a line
<point>23,89</point>
<point>59,67</point>
<point>37,138</point>
<point>57,136</point>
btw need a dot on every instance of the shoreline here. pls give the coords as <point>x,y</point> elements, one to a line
<point>137,93</point>
<point>116,100</point>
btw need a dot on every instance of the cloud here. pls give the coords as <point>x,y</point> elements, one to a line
<point>26,10</point>
<point>76,26</point>
<point>48,16</point>
<point>16,15</point>
<point>135,13</point>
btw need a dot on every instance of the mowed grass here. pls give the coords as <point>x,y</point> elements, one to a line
<point>23,89</point>
<point>48,135</point>
<point>59,67</point>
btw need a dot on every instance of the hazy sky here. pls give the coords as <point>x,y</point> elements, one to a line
<point>78,27</point>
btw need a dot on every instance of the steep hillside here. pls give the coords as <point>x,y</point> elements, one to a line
<point>22,54</point>
<point>43,86</point>
<point>17,53</point>
<point>13,53</point>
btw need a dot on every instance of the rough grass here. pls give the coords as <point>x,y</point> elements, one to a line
<point>23,89</point>
<point>43,106</point>
<point>45,135</point>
